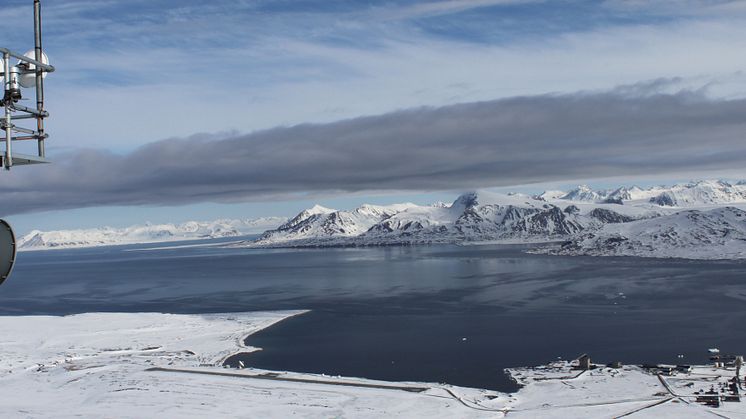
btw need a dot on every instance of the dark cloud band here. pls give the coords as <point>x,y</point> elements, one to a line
<point>503,142</point>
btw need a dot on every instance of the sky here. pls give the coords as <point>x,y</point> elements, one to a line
<point>165,110</point>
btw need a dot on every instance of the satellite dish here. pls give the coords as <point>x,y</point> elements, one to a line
<point>7,250</point>
<point>29,79</point>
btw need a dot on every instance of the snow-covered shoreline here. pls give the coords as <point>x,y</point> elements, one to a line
<point>153,364</point>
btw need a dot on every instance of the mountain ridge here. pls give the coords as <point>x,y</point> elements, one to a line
<point>584,220</point>
<point>144,233</point>
<point>551,217</point>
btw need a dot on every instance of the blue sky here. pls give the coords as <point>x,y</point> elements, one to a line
<point>134,72</point>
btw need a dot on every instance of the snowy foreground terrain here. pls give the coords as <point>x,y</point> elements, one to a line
<point>699,220</point>
<point>162,365</point>
<point>148,233</point>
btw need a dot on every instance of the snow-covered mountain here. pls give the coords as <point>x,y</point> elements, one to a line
<point>320,223</point>
<point>479,216</point>
<point>583,193</point>
<point>473,217</point>
<point>713,234</point>
<point>700,193</point>
<point>148,233</point>
<point>685,220</point>
<point>693,194</point>
<point>633,193</point>
<point>550,195</point>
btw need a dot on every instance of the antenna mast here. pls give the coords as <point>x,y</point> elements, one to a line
<point>30,71</point>
<point>38,56</point>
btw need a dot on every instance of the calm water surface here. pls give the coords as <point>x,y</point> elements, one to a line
<point>435,313</point>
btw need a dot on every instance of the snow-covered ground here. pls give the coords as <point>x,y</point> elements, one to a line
<point>558,390</point>
<point>147,233</point>
<point>162,365</point>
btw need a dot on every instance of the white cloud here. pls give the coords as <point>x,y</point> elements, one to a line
<point>434,8</point>
<point>153,80</point>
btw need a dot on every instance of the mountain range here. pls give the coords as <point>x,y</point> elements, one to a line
<point>579,221</point>
<point>712,234</point>
<point>703,219</point>
<point>147,233</point>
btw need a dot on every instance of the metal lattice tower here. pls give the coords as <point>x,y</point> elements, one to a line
<point>29,73</point>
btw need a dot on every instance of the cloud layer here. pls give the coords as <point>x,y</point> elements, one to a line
<point>256,64</point>
<point>504,142</point>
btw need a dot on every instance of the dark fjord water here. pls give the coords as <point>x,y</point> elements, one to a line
<point>439,313</point>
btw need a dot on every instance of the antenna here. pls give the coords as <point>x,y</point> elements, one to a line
<point>30,71</point>
<point>7,250</point>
